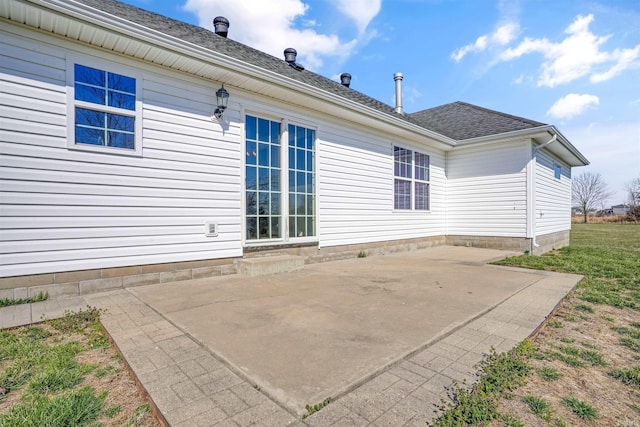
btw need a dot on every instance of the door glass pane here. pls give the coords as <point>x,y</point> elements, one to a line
<point>263,207</point>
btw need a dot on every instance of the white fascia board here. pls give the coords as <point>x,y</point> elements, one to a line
<point>122,26</point>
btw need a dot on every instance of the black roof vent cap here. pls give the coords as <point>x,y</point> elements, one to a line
<point>290,56</point>
<point>345,79</point>
<point>221,26</point>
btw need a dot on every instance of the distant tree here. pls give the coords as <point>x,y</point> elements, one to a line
<point>589,191</point>
<point>633,189</point>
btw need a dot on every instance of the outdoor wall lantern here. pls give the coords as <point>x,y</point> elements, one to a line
<point>222,98</point>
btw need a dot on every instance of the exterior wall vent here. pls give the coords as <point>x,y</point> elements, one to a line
<point>211,229</point>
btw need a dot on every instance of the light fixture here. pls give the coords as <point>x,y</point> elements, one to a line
<point>222,98</point>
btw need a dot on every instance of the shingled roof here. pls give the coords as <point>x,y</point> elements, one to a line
<point>457,121</point>
<point>460,121</point>
<point>209,40</point>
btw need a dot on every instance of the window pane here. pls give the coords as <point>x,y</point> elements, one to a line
<point>252,228</point>
<point>292,204</point>
<point>252,202</point>
<point>90,118</point>
<point>88,75</point>
<point>275,227</point>
<point>251,127</point>
<point>251,178</point>
<point>263,130</point>
<point>422,166</point>
<point>263,203</point>
<point>118,122</point>
<point>252,155</point>
<point>275,133</point>
<point>89,94</point>
<point>263,154</point>
<point>292,227</point>
<point>311,136</point>
<point>263,228</point>
<point>422,196</point>
<point>275,204</point>
<point>402,162</point>
<point>310,205</point>
<point>300,226</point>
<point>122,100</point>
<point>402,194</point>
<point>292,181</point>
<point>292,135</point>
<point>309,188</point>
<point>310,227</point>
<point>121,140</point>
<point>275,156</point>
<point>300,184</point>
<point>300,137</point>
<point>309,161</point>
<point>292,158</point>
<point>89,136</point>
<point>300,204</point>
<point>263,178</point>
<point>122,83</point>
<point>275,179</point>
<point>300,163</point>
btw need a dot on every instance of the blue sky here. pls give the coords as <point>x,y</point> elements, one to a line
<point>571,63</point>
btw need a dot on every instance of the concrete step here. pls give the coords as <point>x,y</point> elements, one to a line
<point>262,266</point>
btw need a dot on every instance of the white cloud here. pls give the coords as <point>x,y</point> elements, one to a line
<point>269,26</point>
<point>361,12</point>
<point>501,36</point>
<point>572,105</point>
<point>576,56</point>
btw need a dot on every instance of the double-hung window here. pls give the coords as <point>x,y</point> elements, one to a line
<point>411,180</point>
<point>104,111</point>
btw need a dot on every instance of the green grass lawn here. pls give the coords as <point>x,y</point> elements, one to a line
<point>608,256</point>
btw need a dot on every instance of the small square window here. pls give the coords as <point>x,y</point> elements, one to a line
<point>103,114</point>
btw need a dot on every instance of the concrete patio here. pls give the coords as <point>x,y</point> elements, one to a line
<point>381,336</point>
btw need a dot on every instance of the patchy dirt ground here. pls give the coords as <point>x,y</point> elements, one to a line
<point>575,329</point>
<point>110,375</point>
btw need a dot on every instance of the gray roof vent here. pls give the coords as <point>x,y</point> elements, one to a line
<point>221,26</point>
<point>290,56</point>
<point>345,79</point>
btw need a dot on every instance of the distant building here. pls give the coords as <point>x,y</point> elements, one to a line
<point>620,209</point>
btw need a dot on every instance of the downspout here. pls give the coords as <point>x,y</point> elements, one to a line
<point>533,193</point>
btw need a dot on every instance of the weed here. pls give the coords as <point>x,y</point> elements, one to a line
<point>139,414</point>
<point>607,318</point>
<point>511,421</point>
<point>540,407</point>
<point>588,345</point>
<point>629,376</point>
<point>112,411</point>
<point>362,254</point>
<point>104,371</point>
<point>584,307</point>
<point>592,357</point>
<point>555,324</point>
<point>5,302</point>
<point>468,408</point>
<point>580,408</point>
<point>570,360</point>
<point>631,343</point>
<point>548,373</point>
<point>311,409</point>
<point>76,321</point>
<point>567,340</point>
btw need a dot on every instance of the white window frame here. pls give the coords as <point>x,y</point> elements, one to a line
<point>412,180</point>
<point>72,103</point>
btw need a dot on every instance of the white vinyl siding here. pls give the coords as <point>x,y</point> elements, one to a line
<point>487,190</point>
<point>553,196</point>
<point>356,188</point>
<point>63,210</point>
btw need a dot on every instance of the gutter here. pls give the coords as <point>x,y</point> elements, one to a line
<point>120,25</point>
<point>534,161</point>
